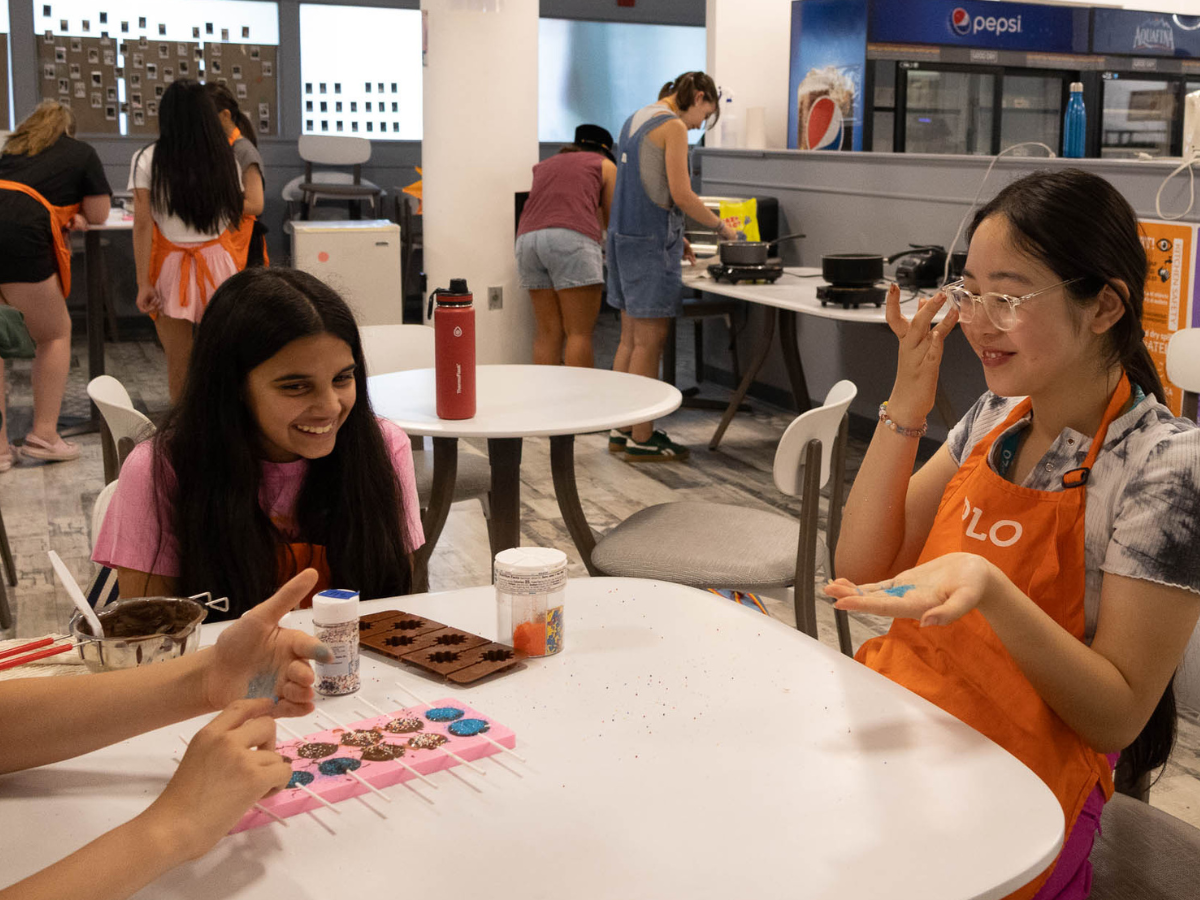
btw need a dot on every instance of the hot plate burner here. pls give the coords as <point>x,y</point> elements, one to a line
<point>850,297</point>
<point>734,274</point>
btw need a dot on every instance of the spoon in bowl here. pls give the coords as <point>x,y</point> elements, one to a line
<point>76,595</point>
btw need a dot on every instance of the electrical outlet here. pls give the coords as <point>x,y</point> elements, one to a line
<point>495,298</point>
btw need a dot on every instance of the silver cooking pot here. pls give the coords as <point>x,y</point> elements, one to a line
<point>139,631</point>
<point>749,253</point>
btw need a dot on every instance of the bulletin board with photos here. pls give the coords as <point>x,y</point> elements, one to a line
<point>111,62</point>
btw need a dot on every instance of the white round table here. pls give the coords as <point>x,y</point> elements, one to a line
<point>514,402</point>
<point>681,746</point>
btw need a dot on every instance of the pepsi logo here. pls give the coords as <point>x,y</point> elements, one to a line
<point>960,21</point>
<point>824,126</point>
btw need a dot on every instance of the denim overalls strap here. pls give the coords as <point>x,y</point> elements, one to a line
<point>645,241</point>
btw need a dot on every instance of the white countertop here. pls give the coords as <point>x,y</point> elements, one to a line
<point>680,746</point>
<point>525,401</point>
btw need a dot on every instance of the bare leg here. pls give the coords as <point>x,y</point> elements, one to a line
<point>176,338</point>
<point>579,308</point>
<point>649,338</point>
<point>548,339</point>
<point>625,347</point>
<point>49,325</point>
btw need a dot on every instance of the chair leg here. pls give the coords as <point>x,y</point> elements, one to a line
<point>806,551</point>
<point>6,619</point>
<point>698,349</point>
<point>733,354</point>
<point>6,554</point>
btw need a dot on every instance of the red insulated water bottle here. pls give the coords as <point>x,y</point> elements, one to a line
<point>454,349</point>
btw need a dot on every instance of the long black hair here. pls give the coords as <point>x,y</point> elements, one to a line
<point>193,174</point>
<point>1079,226</point>
<point>224,100</point>
<point>208,461</point>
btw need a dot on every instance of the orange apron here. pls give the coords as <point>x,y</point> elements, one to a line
<point>242,235</point>
<point>1037,539</point>
<point>161,248</point>
<point>295,558</point>
<point>60,221</point>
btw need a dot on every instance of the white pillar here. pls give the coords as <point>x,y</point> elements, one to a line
<point>748,47</point>
<point>480,143</point>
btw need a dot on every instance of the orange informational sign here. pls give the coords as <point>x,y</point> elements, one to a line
<point>1172,289</point>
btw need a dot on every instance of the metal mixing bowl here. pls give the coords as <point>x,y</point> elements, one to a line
<point>139,631</point>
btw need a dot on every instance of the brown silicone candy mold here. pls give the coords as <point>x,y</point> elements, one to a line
<point>487,660</point>
<point>396,621</point>
<point>397,644</point>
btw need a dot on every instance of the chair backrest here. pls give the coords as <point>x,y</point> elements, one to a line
<point>125,424</point>
<point>822,424</point>
<point>1183,359</point>
<point>100,507</point>
<point>396,348</point>
<point>334,151</point>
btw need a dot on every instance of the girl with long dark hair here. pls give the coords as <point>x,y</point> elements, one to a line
<point>187,192</point>
<point>646,247</point>
<point>249,235</point>
<point>271,461</point>
<point>50,184</point>
<point>1042,568</point>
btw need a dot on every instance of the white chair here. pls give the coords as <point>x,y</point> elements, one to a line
<point>398,348</point>
<point>126,426</point>
<point>349,187</point>
<point>723,546</point>
<point>1183,367</point>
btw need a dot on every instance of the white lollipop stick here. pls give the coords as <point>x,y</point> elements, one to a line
<point>471,766</point>
<point>505,749</point>
<point>332,718</point>
<point>318,798</point>
<point>368,785</point>
<point>418,774</point>
<point>368,703</point>
<point>297,735</point>
<point>414,696</point>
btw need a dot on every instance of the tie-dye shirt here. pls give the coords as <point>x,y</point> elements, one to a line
<point>1142,517</point>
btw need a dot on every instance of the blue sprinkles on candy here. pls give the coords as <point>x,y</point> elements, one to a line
<point>468,727</point>
<point>444,714</point>
<point>899,590</point>
<point>301,779</point>
<point>339,765</point>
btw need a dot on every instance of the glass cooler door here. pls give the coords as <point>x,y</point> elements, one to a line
<point>1138,116</point>
<point>949,111</point>
<point>1032,110</point>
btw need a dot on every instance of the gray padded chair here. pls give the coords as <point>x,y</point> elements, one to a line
<point>723,546</point>
<point>1143,853</point>
<point>397,348</point>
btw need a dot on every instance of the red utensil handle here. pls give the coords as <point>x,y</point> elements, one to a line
<point>25,648</point>
<point>41,654</point>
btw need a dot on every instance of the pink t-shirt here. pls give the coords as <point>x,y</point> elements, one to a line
<point>130,535</point>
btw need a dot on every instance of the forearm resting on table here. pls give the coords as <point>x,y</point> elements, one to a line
<point>1105,692</point>
<point>50,719</point>
<point>112,867</point>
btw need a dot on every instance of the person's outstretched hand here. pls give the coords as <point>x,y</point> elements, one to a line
<point>230,765</point>
<point>254,657</point>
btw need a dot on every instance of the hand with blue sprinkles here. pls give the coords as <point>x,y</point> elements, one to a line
<point>468,727</point>
<point>937,592</point>
<point>339,765</point>
<point>444,714</point>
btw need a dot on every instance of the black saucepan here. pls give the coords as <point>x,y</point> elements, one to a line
<point>852,269</point>
<point>749,253</point>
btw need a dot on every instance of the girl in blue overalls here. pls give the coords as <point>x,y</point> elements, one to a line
<point>646,246</point>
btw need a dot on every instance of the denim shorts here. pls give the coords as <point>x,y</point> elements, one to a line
<point>557,258</point>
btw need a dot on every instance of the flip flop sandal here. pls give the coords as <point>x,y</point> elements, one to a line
<point>60,451</point>
<point>7,460</point>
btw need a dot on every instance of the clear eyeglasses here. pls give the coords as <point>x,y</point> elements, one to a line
<point>1000,308</point>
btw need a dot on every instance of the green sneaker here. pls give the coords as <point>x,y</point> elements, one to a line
<point>617,440</point>
<point>659,448</point>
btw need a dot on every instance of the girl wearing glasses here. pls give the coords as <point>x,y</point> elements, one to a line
<point>1044,576</point>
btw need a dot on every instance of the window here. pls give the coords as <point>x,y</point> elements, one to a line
<point>364,51</point>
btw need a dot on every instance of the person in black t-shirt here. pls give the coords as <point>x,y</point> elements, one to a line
<point>49,182</point>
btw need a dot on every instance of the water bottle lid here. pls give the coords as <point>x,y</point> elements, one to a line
<point>458,286</point>
<point>1076,87</point>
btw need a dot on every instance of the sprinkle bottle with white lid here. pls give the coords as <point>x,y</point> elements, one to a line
<point>531,585</point>
<point>335,624</point>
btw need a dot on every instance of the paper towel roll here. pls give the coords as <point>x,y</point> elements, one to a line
<point>756,128</point>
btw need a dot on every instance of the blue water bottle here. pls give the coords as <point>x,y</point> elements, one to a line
<point>1075,124</point>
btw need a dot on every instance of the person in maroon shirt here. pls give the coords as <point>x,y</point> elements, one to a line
<point>559,245</point>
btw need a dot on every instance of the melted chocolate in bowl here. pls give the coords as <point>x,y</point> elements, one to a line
<point>140,631</point>
<point>146,617</point>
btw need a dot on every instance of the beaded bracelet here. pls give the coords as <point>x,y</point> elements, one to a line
<point>900,429</point>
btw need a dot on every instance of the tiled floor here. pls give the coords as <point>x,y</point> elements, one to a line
<point>49,507</point>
